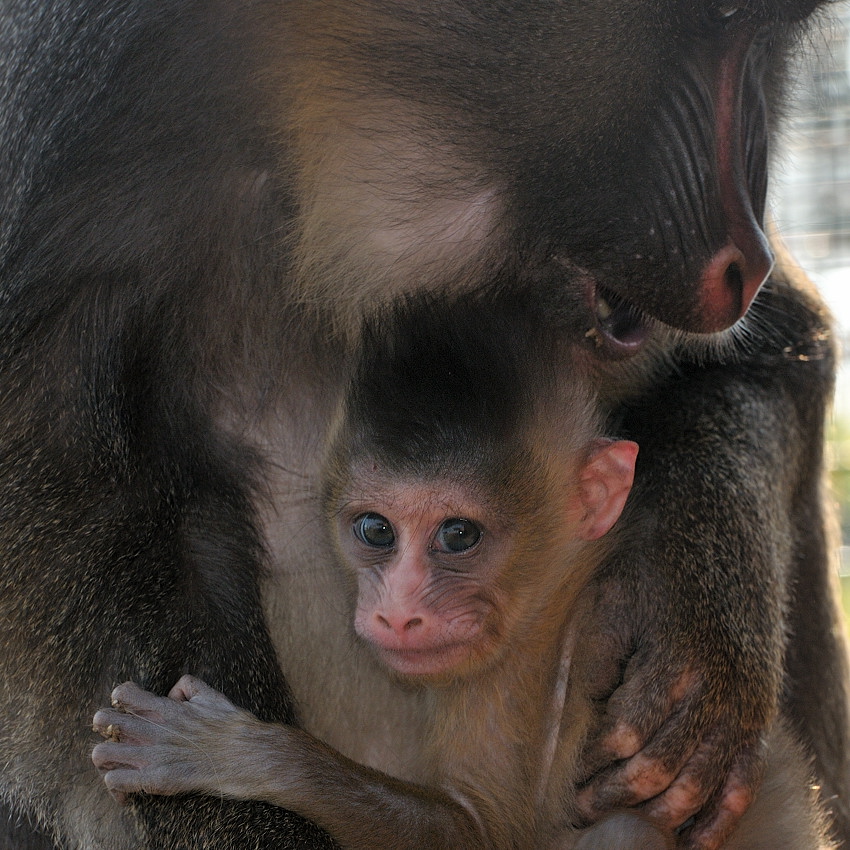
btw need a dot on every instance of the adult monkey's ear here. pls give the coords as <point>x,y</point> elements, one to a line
<point>604,484</point>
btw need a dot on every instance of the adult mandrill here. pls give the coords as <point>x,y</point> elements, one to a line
<point>197,202</point>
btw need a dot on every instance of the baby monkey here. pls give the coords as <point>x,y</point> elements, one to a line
<point>469,488</point>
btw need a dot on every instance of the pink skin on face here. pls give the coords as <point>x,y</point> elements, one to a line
<point>423,602</point>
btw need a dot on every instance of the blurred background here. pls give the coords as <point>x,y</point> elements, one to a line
<point>810,200</point>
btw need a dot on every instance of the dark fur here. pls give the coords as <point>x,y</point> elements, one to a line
<point>161,294</point>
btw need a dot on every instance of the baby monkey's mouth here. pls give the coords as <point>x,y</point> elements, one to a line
<point>620,330</point>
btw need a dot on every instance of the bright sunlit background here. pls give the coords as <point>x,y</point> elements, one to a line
<point>811,205</point>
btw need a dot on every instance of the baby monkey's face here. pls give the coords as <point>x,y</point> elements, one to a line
<point>425,556</point>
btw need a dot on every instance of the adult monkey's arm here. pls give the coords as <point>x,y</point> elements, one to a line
<point>729,551</point>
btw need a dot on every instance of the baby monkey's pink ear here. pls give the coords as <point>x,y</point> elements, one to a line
<point>604,484</point>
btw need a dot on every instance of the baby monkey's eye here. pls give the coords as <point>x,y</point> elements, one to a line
<point>374,530</point>
<point>456,535</point>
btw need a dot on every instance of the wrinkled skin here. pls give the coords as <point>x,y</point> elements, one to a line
<point>195,198</point>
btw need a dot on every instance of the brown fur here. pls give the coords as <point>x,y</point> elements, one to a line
<point>183,184</point>
<point>485,753</point>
